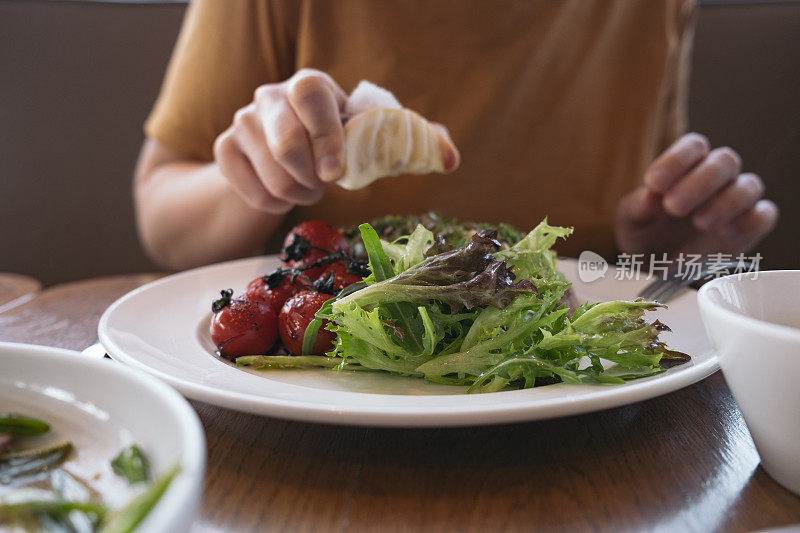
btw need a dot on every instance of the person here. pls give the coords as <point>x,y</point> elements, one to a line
<point>572,110</point>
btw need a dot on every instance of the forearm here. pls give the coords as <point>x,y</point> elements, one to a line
<point>188,215</point>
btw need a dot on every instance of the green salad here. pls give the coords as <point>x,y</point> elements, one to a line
<point>482,315</point>
<point>37,494</point>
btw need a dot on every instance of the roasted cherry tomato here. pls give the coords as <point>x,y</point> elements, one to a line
<point>311,241</point>
<point>243,327</point>
<point>342,277</point>
<point>296,314</point>
<point>277,287</point>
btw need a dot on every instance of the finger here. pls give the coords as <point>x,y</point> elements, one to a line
<point>338,92</point>
<point>451,158</point>
<point>639,206</point>
<point>241,176</point>
<point>676,162</point>
<point>750,227</point>
<point>313,100</point>
<point>704,181</point>
<point>288,141</point>
<point>273,176</point>
<point>732,201</point>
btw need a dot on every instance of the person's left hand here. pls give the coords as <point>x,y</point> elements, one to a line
<point>694,200</point>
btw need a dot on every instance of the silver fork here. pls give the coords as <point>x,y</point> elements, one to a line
<point>668,288</point>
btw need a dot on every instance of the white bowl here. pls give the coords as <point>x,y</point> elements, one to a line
<point>753,321</point>
<point>102,407</point>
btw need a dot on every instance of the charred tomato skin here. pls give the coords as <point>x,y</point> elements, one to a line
<point>342,276</point>
<point>296,314</point>
<point>310,241</point>
<point>258,289</point>
<point>244,327</point>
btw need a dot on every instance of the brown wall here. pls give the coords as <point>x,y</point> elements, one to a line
<point>745,93</point>
<point>78,78</point>
<point>77,81</point>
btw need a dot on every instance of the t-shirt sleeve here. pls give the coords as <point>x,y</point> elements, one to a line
<point>225,50</point>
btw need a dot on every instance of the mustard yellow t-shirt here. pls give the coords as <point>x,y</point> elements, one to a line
<point>557,106</point>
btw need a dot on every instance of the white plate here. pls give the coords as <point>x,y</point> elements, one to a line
<point>162,328</point>
<point>102,407</point>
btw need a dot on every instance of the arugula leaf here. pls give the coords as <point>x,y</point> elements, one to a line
<point>379,263</point>
<point>401,313</point>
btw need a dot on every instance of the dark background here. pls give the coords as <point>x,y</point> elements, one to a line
<point>79,78</point>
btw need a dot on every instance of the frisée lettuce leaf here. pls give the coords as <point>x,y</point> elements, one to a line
<point>485,318</point>
<point>468,277</point>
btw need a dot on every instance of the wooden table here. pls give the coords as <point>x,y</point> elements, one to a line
<point>16,289</point>
<point>684,461</point>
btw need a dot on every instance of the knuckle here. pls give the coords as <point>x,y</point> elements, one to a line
<point>289,145</point>
<point>307,88</point>
<point>265,92</point>
<point>675,204</point>
<point>223,145</point>
<point>261,159</point>
<point>698,142</point>
<point>242,116</point>
<point>327,141</point>
<point>282,190</point>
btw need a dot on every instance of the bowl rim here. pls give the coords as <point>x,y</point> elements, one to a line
<point>741,319</point>
<point>187,486</point>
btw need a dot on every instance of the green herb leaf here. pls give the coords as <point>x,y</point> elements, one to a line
<point>467,277</point>
<point>521,329</point>
<point>412,251</point>
<point>21,425</point>
<point>532,257</point>
<point>409,327</point>
<point>14,465</point>
<point>379,263</point>
<point>33,513</point>
<point>131,463</point>
<point>129,517</point>
<point>266,362</point>
<point>310,336</point>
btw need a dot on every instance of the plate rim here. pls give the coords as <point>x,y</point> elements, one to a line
<point>380,416</point>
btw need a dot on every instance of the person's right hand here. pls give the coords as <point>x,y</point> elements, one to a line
<point>284,147</point>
